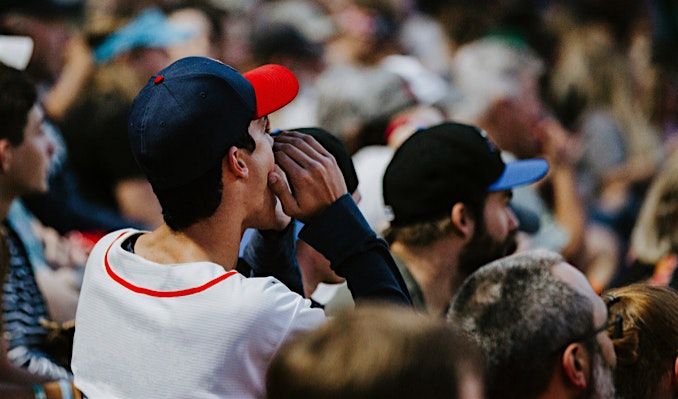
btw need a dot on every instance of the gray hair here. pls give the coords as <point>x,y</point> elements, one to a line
<point>520,314</point>
<point>489,69</point>
<point>349,97</point>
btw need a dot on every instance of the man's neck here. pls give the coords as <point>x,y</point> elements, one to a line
<point>209,240</point>
<point>434,267</point>
<point>6,200</point>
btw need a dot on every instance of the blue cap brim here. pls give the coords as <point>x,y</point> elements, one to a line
<point>520,173</point>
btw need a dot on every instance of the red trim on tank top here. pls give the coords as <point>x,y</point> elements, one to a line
<point>160,294</point>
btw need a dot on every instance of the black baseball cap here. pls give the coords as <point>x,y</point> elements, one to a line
<point>445,164</point>
<point>189,114</point>
<point>338,150</point>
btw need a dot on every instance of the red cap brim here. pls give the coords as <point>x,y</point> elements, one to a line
<point>274,87</point>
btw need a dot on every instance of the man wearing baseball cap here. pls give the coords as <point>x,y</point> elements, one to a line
<point>449,193</point>
<point>164,313</point>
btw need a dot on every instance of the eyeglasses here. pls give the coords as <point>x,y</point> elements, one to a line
<point>616,323</point>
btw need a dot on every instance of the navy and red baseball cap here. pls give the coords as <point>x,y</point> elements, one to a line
<point>445,164</point>
<point>190,113</point>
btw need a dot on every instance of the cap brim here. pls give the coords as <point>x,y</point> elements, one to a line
<point>520,173</point>
<point>274,87</point>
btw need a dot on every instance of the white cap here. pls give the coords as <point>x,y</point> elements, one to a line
<point>16,51</point>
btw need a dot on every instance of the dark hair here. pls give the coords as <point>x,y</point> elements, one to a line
<point>188,204</point>
<point>17,97</point>
<point>376,353</point>
<point>521,314</point>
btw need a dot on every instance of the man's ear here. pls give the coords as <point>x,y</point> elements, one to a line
<point>5,155</point>
<point>577,366</point>
<point>236,162</point>
<point>462,221</point>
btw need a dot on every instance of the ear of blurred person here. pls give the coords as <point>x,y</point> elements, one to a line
<point>377,352</point>
<point>541,327</point>
<point>647,348</point>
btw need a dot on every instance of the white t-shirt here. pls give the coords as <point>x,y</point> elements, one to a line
<point>192,330</point>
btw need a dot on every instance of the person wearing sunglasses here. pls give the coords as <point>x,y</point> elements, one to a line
<point>542,328</point>
<point>646,343</point>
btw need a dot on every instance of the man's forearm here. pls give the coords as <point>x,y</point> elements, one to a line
<point>355,252</point>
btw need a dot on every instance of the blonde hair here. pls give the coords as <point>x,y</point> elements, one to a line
<point>647,350</point>
<point>420,234</point>
<point>656,232</point>
<point>592,67</point>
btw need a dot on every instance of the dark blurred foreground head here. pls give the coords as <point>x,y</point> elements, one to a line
<point>377,352</point>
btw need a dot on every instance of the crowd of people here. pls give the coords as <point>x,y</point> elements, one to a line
<point>339,199</point>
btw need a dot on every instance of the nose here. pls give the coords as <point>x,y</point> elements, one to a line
<point>50,147</point>
<point>513,220</point>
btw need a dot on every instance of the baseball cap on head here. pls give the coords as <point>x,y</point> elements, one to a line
<point>188,115</point>
<point>445,164</point>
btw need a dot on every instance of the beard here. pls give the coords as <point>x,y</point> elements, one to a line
<point>602,378</point>
<point>483,249</point>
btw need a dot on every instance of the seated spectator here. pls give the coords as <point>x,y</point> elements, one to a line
<point>320,283</point>
<point>377,353</point>
<point>647,346</point>
<point>541,327</point>
<point>25,152</point>
<point>449,192</point>
<point>95,129</point>
<point>499,81</point>
<point>61,63</point>
<point>315,268</point>
<point>199,131</point>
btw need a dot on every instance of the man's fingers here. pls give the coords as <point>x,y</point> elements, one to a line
<point>288,165</point>
<point>296,154</point>
<point>304,142</point>
<point>281,190</point>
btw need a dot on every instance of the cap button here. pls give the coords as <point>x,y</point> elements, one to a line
<point>159,79</point>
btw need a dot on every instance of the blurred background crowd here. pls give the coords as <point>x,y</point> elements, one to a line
<point>589,85</point>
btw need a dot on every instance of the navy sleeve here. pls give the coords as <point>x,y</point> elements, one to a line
<point>344,237</point>
<point>273,253</point>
